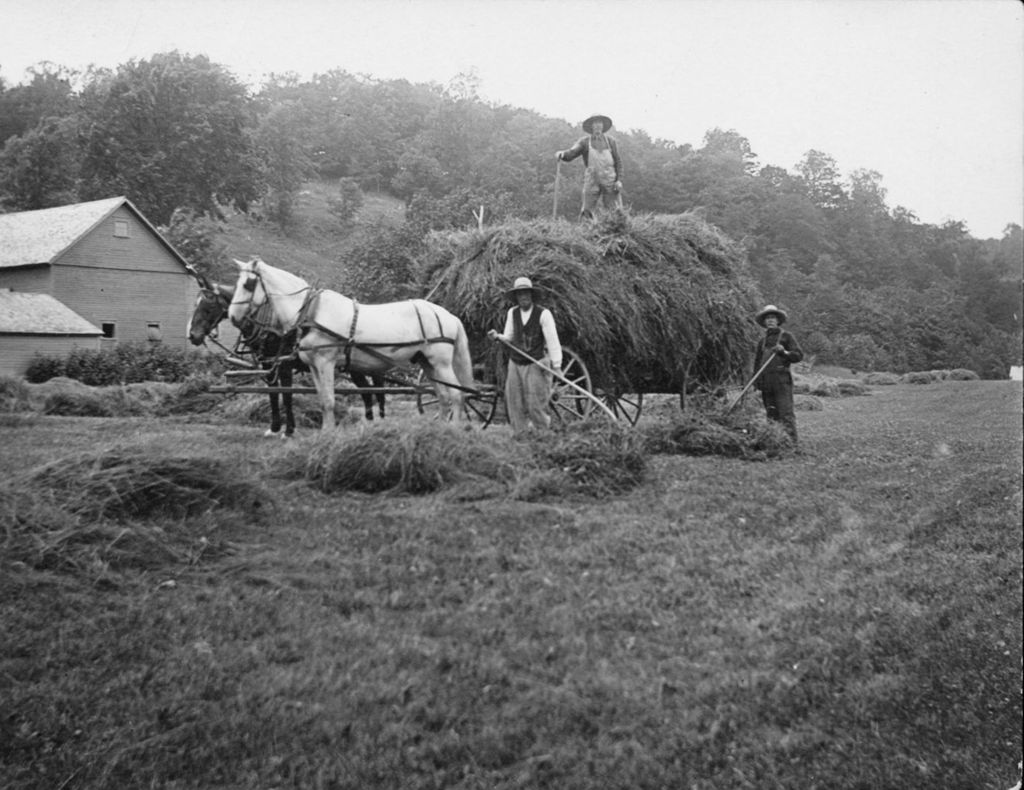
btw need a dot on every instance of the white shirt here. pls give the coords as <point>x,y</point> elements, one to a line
<point>552,347</point>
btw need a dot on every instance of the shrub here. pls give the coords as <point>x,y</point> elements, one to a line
<point>43,368</point>
<point>128,363</point>
<point>883,379</point>
<point>917,377</point>
<point>963,374</point>
<point>95,368</point>
<point>346,204</point>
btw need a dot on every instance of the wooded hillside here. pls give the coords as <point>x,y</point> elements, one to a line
<point>866,284</point>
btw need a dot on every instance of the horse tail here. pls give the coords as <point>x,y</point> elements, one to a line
<point>462,361</point>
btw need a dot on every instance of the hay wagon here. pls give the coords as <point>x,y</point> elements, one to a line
<point>645,304</point>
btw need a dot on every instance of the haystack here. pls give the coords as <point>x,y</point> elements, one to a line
<point>648,301</point>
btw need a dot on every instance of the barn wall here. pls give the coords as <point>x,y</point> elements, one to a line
<point>141,251</point>
<point>130,282</point>
<point>129,300</point>
<point>17,351</point>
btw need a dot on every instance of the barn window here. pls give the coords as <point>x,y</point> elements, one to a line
<point>108,329</point>
<point>153,333</point>
<point>121,228</point>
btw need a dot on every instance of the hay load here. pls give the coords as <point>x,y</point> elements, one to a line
<point>650,302</point>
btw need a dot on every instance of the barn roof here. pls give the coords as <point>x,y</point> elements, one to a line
<point>40,314</point>
<point>42,236</point>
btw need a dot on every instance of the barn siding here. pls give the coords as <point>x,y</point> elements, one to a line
<point>17,351</point>
<point>141,251</point>
<point>129,281</point>
<point>130,300</point>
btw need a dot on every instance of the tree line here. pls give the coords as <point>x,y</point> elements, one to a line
<point>867,285</point>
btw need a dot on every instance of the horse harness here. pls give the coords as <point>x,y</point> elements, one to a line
<point>305,322</point>
<point>349,343</point>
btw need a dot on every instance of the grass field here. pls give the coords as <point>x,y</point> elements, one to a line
<point>848,617</point>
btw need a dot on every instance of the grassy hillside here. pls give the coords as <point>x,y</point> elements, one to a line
<point>316,246</point>
<point>845,618</point>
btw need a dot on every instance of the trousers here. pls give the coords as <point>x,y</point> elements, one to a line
<point>527,392</point>
<point>777,397</point>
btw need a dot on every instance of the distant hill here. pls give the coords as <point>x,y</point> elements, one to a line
<point>315,247</point>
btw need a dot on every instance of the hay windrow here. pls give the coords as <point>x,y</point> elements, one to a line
<point>592,457</point>
<point>123,485</point>
<point>400,457</point>
<point>644,299</point>
<point>101,511</point>
<point>741,434</point>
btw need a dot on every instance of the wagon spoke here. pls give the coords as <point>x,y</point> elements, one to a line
<point>567,403</point>
<point>625,406</point>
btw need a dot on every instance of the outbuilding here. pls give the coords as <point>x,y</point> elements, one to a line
<point>108,270</point>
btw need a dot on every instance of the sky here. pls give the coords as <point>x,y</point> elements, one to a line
<point>928,93</point>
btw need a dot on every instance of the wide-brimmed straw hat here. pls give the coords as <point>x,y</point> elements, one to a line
<point>769,310</point>
<point>521,284</point>
<point>588,124</point>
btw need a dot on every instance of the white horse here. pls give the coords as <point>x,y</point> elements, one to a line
<point>371,338</point>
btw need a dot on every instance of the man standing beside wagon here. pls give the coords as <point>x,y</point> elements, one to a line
<point>531,329</point>
<point>778,350</point>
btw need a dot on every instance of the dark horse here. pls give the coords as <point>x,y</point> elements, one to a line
<point>274,352</point>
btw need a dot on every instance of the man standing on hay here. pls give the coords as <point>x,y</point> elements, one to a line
<point>531,329</point>
<point>602,179</point>
<point>775,382</point>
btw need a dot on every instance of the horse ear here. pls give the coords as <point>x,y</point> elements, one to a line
<point>204,283</point>
<point>240,264</point>
<point>227,291</point>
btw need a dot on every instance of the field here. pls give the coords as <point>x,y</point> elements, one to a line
<point>846,617</point>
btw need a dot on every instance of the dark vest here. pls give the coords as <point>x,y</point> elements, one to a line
<point>529,337</point>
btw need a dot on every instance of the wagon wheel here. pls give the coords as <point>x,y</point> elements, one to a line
<point>566,403</point>
<point>478,406</point>
<point>625,406</point>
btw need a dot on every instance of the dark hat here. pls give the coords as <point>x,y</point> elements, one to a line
<point>588,124</point>
<point>521,284</point>
<point>770,310</point>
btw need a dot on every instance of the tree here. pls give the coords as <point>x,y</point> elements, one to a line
<point>48,94</point>
<point>821,179</point>
<point>39,169</point>
<point>287,163</point>
<point>170,131</point>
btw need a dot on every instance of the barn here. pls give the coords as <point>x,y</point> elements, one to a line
<point>109,276</point>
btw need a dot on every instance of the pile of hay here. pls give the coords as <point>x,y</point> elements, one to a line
<point>648,301</point>
<point>399,456</point>
<point>14,394</point>
<point>592,458</point>
<point>737,435</point>
<point>99,511</point>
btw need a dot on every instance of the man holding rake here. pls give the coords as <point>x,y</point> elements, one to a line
<point>602,179</point>
<point>531,329</point>
<point>777,350</point>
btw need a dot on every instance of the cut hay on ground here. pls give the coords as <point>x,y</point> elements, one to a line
<point>644,299</point>
<point>593,458</point>
<point>736,435</point>
<point>399,456</point>
<point>98,511</point>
